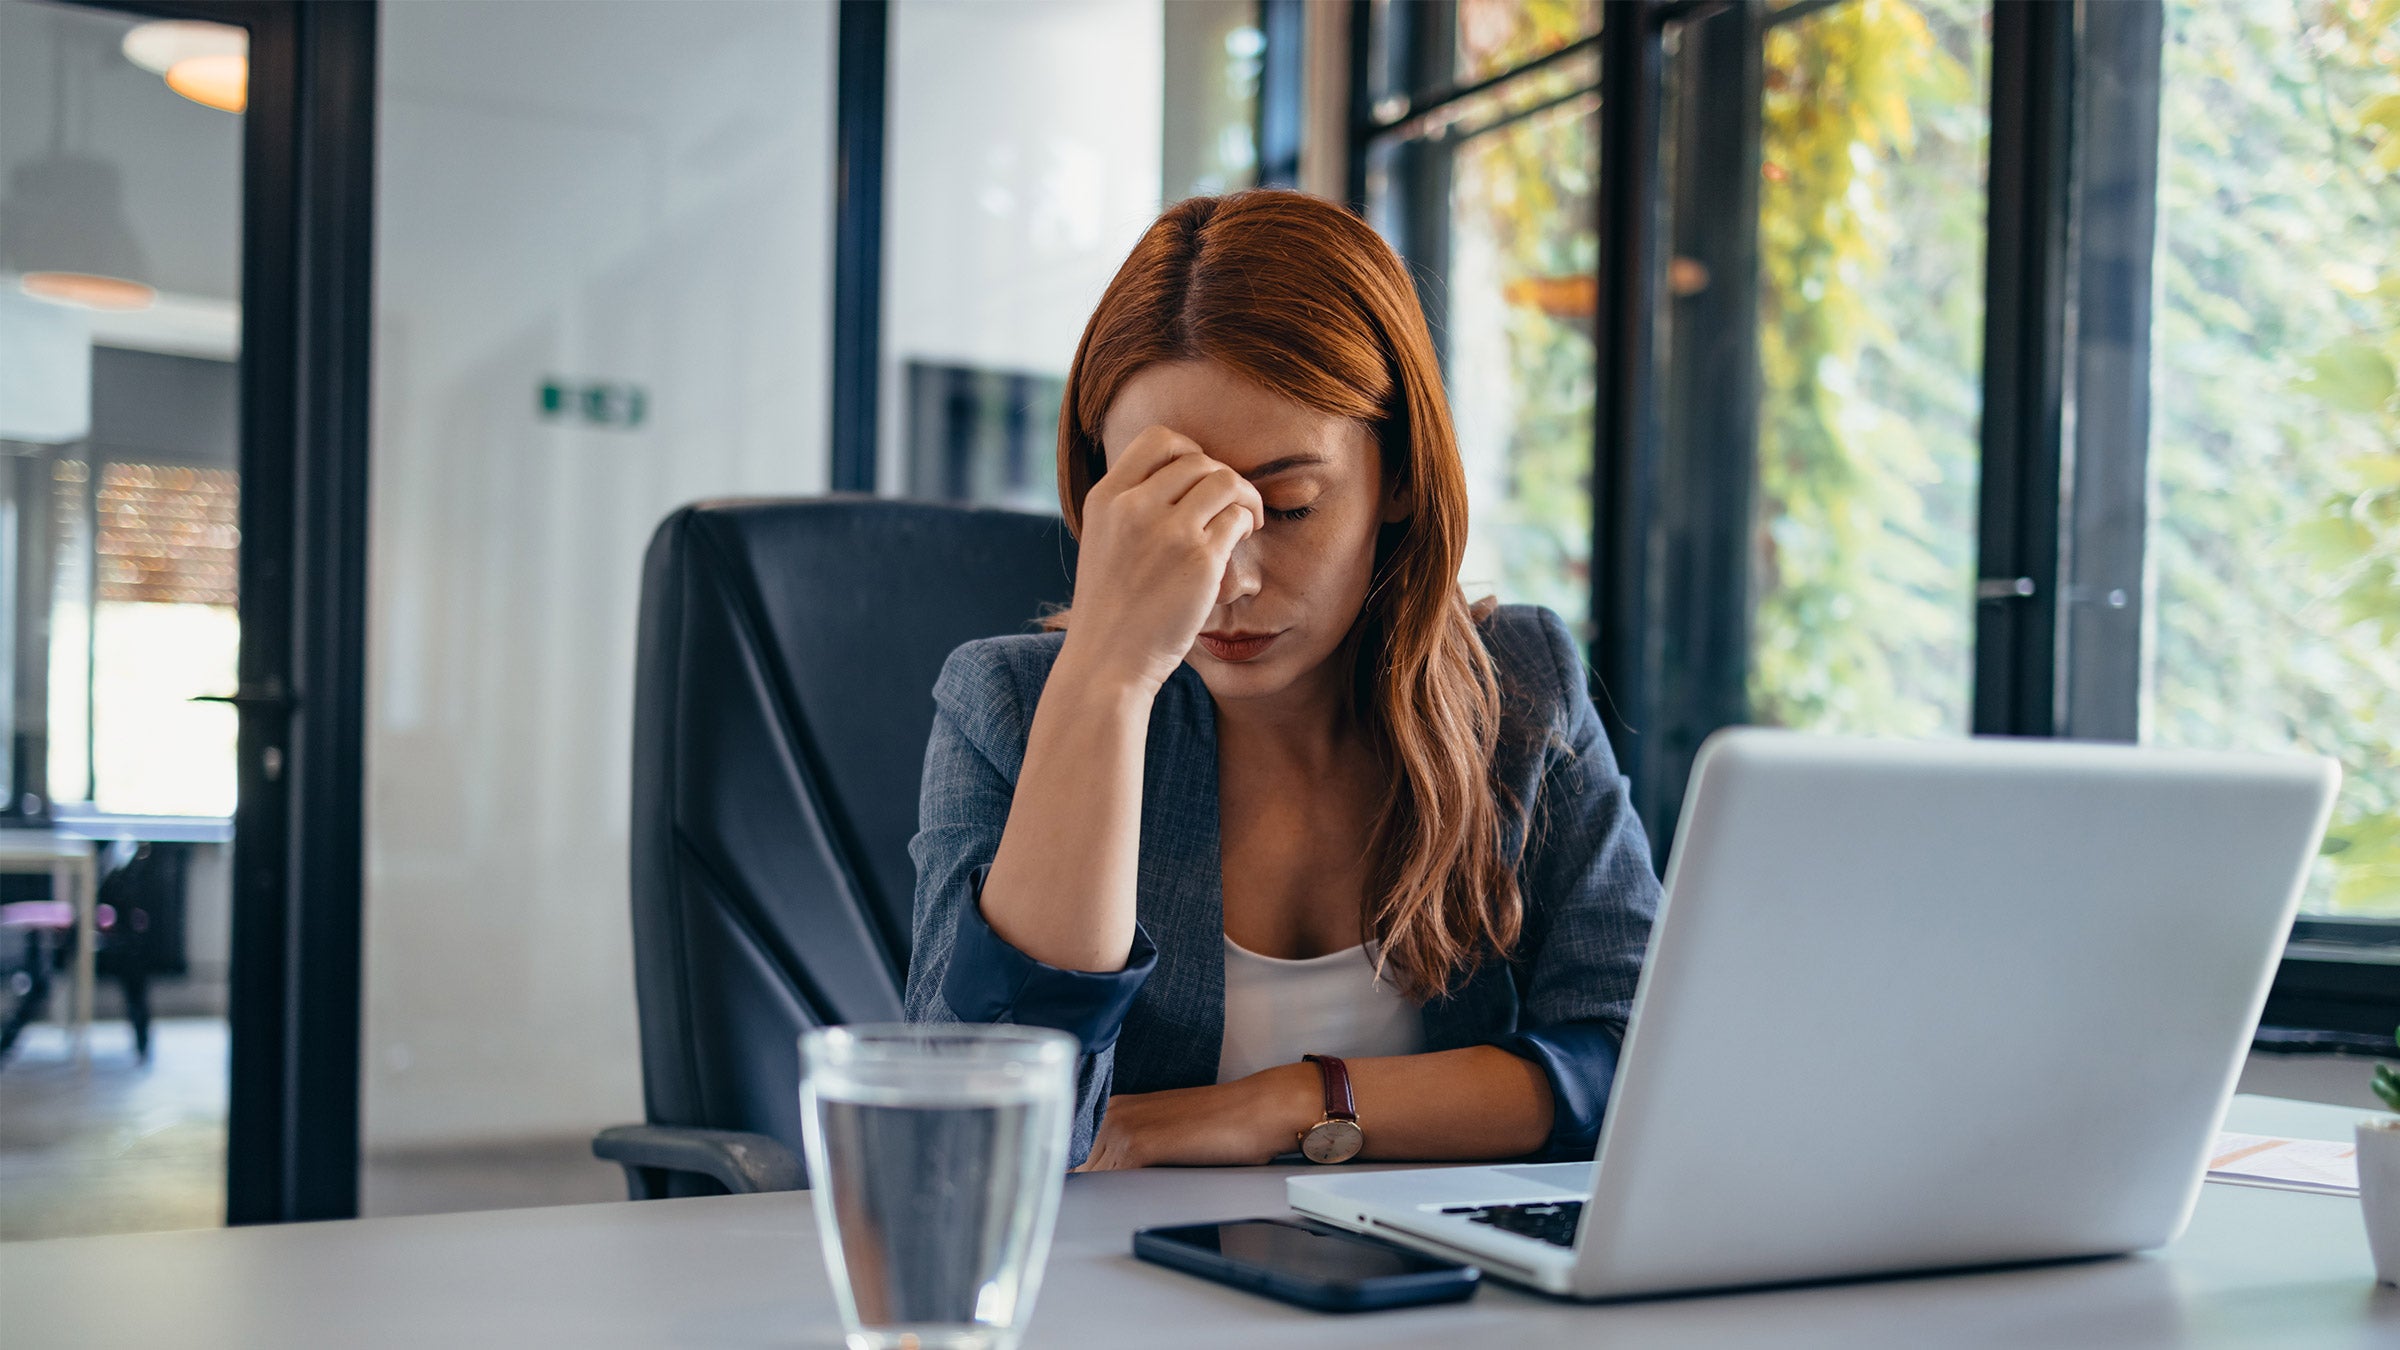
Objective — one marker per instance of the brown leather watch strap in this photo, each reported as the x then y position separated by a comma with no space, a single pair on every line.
1339,1105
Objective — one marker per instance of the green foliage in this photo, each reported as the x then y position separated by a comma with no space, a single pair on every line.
1524,244
2275,540
2275,536
1870,298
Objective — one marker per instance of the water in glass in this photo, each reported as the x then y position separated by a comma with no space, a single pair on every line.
936,1154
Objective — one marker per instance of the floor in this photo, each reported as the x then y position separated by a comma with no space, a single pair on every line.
124,1149
130,1148
517,1175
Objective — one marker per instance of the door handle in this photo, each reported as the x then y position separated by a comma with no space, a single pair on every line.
270,695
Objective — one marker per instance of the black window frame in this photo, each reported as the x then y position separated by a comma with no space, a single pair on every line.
2061,509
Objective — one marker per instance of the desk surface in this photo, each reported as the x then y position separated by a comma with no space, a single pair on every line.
2256,1268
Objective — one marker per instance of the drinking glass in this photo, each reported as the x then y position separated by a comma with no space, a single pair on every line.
936,1154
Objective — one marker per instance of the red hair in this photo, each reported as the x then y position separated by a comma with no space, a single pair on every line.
1305,299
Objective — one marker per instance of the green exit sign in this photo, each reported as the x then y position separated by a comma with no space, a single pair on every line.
598,403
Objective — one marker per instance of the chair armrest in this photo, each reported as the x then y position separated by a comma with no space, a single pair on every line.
742,1163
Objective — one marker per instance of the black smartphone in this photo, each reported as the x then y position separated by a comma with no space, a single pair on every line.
1308,1263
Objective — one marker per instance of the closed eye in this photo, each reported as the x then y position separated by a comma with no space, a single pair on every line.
1296,513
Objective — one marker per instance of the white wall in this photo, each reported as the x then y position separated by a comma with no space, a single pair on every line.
634,191
1023,162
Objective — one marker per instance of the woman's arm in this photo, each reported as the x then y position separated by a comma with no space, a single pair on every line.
1061,887
1157,530
1450,1105
958,970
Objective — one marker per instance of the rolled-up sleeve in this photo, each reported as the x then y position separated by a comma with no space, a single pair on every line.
959,970
991,981
1591,898
1580,1060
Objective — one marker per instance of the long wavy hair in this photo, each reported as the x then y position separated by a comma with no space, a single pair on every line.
1303,298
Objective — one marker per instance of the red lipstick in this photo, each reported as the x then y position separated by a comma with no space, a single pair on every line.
1233,646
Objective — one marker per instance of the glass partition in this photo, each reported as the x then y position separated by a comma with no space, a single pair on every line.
120,553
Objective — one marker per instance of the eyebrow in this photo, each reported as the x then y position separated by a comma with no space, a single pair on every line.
1289,462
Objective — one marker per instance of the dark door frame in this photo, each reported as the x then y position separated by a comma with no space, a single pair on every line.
862,30
308,155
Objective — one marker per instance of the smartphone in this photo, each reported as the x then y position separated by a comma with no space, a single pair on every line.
1307,1263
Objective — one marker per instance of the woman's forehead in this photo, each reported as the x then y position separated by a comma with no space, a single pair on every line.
1233,418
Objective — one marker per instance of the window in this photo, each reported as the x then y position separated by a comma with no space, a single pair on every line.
1055,179
1870,236
1483,168
167,551
2004,367
2274,558
1060,179
1807,551
1213,62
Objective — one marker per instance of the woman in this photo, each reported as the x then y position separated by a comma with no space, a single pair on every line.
1271,788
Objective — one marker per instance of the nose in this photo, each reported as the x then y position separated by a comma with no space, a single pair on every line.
1241,573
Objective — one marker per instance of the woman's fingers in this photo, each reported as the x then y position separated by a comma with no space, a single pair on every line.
1154,448
1172,479
1169,464
1213,489
1215,495
1228,527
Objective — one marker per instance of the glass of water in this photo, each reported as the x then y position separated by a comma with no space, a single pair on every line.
936,1154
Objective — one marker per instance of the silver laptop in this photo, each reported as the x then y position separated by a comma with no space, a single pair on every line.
1907,1006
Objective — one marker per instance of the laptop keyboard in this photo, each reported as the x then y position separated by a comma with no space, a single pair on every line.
1553,1222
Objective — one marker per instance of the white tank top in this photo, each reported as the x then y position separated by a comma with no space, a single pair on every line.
1278,1010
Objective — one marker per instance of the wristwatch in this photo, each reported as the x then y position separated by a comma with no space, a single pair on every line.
1336,1138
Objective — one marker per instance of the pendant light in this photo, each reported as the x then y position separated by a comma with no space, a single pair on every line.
208,63
63,228
62,224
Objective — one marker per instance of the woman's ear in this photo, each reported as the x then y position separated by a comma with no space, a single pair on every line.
1395,504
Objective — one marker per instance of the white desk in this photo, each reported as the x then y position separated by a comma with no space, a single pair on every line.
72,877
2257,1268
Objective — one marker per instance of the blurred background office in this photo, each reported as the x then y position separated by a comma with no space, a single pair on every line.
1901,367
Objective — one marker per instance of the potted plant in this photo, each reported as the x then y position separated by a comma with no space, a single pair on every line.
2379,1176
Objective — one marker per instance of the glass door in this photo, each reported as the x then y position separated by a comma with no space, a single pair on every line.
120,557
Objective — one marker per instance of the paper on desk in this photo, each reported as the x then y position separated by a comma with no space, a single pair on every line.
2323,1166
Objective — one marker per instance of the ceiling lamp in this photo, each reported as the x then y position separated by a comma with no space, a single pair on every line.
63,230
87,290
205,62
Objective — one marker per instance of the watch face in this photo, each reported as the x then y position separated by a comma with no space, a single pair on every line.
1332,1141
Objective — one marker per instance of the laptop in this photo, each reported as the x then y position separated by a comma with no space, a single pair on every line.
1907,1006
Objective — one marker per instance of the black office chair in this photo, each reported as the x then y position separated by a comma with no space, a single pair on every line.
782,700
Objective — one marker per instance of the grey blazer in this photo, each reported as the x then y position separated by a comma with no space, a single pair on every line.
1560,999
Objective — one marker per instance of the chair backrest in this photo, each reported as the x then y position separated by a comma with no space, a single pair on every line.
783,697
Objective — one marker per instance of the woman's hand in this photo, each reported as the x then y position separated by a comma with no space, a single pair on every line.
1241,1123
1157,531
